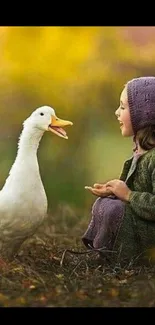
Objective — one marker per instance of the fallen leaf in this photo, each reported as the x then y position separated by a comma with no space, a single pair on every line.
60,276
124,281
114,292
99,291
81,294
3,297
32,287
43,299
20,301
129,273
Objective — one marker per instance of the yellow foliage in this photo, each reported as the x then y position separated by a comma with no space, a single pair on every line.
51,60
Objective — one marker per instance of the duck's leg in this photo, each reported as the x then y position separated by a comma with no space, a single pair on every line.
9,251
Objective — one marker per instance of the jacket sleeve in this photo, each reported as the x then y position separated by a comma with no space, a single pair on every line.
143,203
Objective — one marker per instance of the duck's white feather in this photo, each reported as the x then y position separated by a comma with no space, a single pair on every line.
23,201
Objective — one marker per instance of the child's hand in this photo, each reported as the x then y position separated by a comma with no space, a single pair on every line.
119,188
99,190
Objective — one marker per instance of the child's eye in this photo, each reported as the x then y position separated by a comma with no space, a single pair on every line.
121,107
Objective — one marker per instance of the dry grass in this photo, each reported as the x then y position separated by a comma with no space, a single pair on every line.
42,275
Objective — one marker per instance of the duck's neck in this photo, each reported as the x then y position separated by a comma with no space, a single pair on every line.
25,169
29,142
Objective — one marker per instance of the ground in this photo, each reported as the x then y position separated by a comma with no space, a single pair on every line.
44,274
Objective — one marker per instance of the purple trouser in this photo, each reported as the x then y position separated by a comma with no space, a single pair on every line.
107,214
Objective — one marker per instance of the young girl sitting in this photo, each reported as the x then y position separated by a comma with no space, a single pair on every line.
123,215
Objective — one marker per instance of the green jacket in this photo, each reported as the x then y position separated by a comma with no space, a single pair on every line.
137,230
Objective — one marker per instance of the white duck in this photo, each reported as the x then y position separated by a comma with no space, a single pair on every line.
23,201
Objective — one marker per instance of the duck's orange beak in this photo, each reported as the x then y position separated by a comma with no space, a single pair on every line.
56,126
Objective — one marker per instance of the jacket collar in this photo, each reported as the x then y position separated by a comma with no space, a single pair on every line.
129,167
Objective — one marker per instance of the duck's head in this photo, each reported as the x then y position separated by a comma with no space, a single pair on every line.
45,119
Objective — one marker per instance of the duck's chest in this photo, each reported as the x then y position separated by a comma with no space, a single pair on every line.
25,195
32,197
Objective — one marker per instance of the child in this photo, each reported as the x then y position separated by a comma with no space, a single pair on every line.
123,217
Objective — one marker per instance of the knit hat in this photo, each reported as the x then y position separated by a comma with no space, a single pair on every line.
141,99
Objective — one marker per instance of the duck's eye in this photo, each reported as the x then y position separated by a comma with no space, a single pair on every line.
41,114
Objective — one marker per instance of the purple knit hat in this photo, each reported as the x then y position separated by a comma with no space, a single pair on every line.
141,99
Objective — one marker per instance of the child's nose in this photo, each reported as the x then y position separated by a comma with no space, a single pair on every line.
117,112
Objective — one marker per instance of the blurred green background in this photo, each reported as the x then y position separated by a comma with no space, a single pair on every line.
80,72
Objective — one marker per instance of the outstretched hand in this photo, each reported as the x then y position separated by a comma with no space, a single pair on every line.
99,190
114,187
119,188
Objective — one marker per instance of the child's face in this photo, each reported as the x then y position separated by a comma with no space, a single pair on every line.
123,115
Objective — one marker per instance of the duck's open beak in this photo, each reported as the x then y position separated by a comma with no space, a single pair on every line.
56,126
